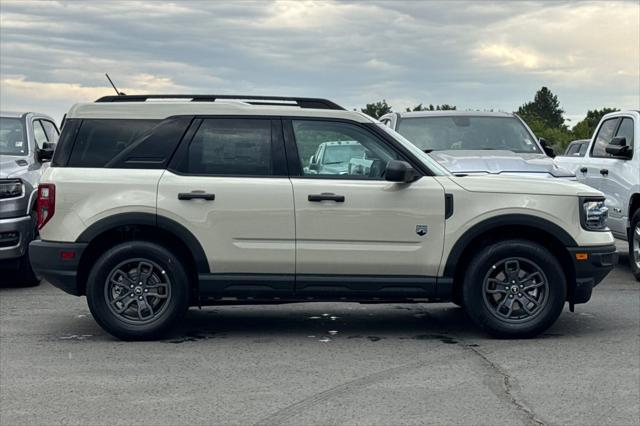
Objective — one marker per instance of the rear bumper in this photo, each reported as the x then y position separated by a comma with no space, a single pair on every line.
15,235
57,263
591,271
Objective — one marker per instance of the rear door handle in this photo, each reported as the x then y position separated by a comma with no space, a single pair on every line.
604,172
196,195
583,169
326,196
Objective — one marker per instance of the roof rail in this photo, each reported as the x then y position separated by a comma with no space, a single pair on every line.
315,103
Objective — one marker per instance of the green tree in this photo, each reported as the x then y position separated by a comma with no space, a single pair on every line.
585,128
377,109
443,107
545,108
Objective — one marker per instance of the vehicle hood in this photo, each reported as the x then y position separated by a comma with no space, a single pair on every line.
496,162
12,166
511,184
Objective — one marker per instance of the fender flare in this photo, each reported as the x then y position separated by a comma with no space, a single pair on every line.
150,219
476,230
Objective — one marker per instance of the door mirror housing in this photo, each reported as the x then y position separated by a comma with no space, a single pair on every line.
399,171
546,148
46,152
618,148
313,165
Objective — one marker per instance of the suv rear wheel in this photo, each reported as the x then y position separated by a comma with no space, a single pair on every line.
514,288
137,290
634,245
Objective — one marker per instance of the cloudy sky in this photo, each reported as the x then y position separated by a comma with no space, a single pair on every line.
476,55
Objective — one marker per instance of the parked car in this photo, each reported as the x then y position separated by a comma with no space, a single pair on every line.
150,207
27,141
577,148
612,165
470,142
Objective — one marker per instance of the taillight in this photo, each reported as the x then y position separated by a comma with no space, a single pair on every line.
46,206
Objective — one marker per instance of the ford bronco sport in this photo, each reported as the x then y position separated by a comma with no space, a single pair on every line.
27,141
152,206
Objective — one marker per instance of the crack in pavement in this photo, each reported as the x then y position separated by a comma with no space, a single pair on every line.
529,415
286,413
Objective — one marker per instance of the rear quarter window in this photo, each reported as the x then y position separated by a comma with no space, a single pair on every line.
99,141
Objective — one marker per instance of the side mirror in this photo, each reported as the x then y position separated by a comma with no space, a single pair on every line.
399,171
313,165
546,148
618,148
46,153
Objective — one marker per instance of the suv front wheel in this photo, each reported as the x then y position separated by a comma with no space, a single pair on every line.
137,290
514,289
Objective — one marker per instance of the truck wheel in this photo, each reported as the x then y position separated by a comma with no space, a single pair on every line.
514,289
634,245
137,290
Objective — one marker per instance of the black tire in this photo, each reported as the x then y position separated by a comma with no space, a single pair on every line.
161,272
634,234
485,300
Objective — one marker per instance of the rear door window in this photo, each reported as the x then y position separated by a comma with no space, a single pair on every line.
99,141
230,147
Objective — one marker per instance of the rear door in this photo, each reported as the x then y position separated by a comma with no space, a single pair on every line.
356,233
228,185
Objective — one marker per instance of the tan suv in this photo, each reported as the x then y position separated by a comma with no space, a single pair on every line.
153,205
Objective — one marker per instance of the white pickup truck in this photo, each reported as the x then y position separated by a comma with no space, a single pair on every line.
612,165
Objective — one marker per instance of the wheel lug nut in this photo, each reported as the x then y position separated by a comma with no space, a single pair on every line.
519,294
511,296
513,281
131,295
140,298
146,290
521,285
131,286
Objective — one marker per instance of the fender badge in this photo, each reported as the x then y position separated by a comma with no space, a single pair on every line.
421,230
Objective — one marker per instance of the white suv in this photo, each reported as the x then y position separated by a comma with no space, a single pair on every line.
152,206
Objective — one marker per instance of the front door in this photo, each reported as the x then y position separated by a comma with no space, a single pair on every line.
352,224
228,186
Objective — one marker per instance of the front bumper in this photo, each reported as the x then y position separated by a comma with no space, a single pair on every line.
57,263
15,235
591,265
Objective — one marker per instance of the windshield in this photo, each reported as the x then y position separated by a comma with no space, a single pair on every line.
12,138
468,133
335,154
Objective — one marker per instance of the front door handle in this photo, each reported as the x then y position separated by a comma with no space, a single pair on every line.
196,195
583,169
326,196
604,172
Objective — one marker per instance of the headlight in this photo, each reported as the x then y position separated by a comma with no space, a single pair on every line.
10,188
593,214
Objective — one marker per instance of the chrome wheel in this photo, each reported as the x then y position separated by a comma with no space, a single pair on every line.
137,291
635,240
515,290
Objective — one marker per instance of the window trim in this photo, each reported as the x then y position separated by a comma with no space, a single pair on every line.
295,165
278,150
595,136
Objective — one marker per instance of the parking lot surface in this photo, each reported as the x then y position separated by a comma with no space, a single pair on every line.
321,363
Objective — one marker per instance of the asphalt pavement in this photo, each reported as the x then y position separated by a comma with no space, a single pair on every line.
321,364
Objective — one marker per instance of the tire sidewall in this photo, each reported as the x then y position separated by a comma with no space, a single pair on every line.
473,298
177,304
